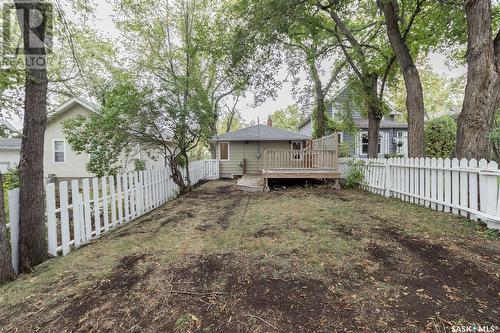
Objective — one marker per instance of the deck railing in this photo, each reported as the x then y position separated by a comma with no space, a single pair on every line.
303,159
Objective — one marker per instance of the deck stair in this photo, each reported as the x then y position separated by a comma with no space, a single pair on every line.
251,183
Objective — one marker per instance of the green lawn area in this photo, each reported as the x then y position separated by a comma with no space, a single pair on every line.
295,260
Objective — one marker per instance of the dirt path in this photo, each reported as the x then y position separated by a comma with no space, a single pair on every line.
296,260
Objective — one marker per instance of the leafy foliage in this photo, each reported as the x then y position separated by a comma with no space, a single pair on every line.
355,176
440,137
100,136
288,118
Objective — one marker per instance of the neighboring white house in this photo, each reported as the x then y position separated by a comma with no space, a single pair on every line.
59,159
10,149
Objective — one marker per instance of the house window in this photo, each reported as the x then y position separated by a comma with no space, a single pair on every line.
297,145
224,151
364,143
59,147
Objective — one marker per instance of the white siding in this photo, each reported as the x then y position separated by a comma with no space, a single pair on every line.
75,164
306,129
9,158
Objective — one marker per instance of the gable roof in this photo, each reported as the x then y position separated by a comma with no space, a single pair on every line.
261,133
11,143
70,103
9,124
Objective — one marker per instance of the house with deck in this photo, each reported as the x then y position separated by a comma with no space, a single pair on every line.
266,152
393,137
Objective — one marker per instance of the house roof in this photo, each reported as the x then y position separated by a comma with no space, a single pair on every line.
261,133
9,123
12,143
70,103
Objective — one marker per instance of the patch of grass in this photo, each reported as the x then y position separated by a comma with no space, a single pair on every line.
302,259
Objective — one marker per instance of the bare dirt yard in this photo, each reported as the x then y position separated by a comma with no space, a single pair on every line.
296,260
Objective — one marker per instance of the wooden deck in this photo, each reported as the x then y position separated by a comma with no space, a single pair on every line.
300,173
300,163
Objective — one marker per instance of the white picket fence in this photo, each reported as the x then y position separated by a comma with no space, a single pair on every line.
83,209
464,187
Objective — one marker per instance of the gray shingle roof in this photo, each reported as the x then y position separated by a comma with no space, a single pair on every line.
10,143
261,133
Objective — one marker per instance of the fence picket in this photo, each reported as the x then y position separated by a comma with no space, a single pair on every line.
433,183
63,204
447,184
113,201
87,209
105,210
51,220
13,197
412,179
126,198
428,181
119,196
440,183
77,221
473,183
455,181
97,209
489,200
132,195
421,179
464,186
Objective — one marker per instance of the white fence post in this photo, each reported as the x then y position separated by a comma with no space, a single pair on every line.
388,178
75,203
97,209
63,199
105,211
51,220
13,197
87,210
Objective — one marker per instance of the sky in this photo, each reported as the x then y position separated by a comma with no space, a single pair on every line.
246,107
103,22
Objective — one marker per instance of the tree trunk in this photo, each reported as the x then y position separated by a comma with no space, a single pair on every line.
188,176
375,114
482,92
32,242
176,173
7,272
319,116
414,94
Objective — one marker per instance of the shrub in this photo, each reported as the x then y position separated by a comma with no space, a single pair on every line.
344,150
440,136
139,165
355,176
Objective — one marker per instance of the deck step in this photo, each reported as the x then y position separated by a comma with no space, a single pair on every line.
250,183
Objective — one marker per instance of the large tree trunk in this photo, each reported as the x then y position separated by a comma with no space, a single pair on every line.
375,113
7,272
319,116
414,94
32,242
482,92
